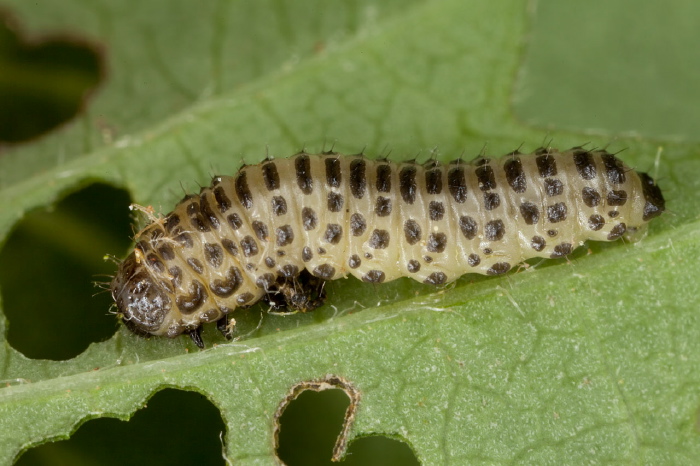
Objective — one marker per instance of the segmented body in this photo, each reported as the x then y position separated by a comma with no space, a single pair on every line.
256,234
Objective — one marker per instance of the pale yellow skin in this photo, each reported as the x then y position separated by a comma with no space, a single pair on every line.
447,248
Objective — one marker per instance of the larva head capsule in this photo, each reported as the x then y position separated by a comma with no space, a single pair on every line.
143,305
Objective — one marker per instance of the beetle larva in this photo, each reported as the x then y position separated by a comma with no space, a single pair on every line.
278,230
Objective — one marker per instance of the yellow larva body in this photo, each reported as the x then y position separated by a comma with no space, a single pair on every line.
251,235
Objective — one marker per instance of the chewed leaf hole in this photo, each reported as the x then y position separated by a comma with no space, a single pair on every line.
48,267
44,81
176,428
314,422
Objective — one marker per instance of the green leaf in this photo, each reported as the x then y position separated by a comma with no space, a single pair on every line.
592,359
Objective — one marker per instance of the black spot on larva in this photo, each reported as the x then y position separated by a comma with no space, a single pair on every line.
234,220
270,176
473,260
230,246
617,231
166,252
208,213
468,226
184,239
557,212
596,222
306,254
383,206
289,271
321,251
498,268
491,201
309,218
383,178
617,197
214,254
613,213
486,178
281,253
285,235
412,231
437,242
190,303
530,213
244,298
552,233
354,261
324,271
436,210
427,259
196,219
270,262
279,205
176,274
546,165
457,184
538,243
358,181
196,265
433,181
561,250
225,288
407,184
368,256
333,175
413,266
155,263
334,233
302,166
655,203
584,164
379,239
614,169
261,230
591,197
335,202
358,225
436,278
249,246
494,230
374,276
222,200
171,221
515,175
265,281
553,187
243,191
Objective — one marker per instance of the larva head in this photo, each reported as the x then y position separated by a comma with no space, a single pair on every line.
142,303
654,201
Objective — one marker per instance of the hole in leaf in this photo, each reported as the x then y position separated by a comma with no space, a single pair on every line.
176,428
48,266
44,81
315,413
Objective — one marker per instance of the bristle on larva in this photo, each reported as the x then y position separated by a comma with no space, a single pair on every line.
278,230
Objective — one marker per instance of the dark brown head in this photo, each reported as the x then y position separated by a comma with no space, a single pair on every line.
142,303
654,200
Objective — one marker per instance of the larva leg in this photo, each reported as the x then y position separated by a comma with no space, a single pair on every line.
301,293
196,335
223,326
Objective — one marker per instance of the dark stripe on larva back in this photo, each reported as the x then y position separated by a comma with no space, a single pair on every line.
242,190
584,164
358,182
407,184
433,181
384,178
457,184
486,177
613,169
270,176
333,174
515,175
546,165
302,165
